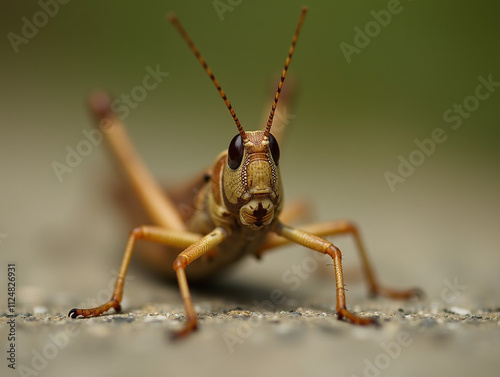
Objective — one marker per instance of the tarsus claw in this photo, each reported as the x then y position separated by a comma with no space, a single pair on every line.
73,313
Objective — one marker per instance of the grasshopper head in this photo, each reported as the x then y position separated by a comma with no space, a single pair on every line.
251,180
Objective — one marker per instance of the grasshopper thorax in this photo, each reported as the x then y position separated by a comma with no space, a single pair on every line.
251,186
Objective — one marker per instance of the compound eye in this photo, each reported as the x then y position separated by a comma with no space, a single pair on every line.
275,149
235,152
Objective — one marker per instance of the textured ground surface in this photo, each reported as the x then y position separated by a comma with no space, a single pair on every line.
411,341
247,325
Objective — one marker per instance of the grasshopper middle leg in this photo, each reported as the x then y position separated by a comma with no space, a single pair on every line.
195,246
311,237
323,246
342,227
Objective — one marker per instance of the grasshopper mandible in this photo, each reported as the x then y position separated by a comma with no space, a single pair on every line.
240,209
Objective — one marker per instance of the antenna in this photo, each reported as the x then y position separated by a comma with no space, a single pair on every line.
172,17
285,69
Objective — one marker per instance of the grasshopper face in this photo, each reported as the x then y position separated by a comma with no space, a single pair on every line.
251,180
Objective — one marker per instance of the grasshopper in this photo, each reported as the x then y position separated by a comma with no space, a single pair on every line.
239,202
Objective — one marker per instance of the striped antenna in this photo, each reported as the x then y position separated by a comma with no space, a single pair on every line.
285,69
172,17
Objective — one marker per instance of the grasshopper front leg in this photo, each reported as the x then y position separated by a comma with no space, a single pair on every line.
321,245
189,255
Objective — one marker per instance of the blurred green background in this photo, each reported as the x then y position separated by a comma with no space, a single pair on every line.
350,123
